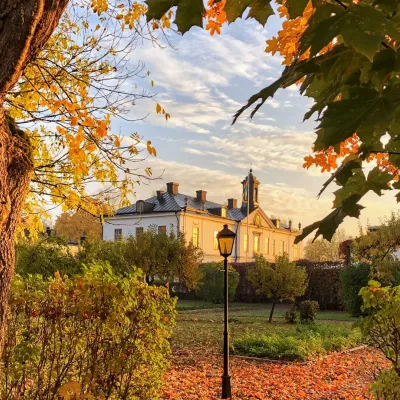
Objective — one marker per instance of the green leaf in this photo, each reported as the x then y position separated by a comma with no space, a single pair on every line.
364,110
361,26
355,186
235,8
306,231
189,12
261,10
296,7
378,180
343,173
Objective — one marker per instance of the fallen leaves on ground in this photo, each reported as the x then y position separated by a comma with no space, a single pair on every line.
195,374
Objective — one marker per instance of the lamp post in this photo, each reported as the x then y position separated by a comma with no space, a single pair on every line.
226,239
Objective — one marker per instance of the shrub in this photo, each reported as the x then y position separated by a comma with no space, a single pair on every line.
211,287
308,311
381,326
301,344
292,316
353,278
45,258
97,334
281,281
387,385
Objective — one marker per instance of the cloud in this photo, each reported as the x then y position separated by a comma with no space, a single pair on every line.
283,150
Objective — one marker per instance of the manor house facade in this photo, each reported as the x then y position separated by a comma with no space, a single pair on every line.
200,220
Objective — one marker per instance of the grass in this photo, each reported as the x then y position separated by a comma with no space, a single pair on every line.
200,324
300,344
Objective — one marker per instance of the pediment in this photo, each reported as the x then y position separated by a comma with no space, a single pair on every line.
260,219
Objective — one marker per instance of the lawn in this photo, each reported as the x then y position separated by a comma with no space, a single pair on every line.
195,373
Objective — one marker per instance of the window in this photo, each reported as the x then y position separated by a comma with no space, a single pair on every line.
195,236
281,247
223,212
139,231
266,249
256,243
140,206
162,229
273,247
246,244
117,234
215,240
295,252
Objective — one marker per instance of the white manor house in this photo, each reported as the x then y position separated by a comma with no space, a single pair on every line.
200,220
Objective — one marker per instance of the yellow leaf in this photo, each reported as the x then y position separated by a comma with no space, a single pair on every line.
158,108
74,121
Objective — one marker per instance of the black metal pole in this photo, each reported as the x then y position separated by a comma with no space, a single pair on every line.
226,379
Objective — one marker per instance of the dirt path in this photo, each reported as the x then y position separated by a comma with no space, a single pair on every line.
196,375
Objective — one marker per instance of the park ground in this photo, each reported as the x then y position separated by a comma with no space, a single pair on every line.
196,368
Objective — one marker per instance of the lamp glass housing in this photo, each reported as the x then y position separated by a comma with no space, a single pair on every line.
226,238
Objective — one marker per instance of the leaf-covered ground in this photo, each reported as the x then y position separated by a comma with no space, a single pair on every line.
195,374
196,368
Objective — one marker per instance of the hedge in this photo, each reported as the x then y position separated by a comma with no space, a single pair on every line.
323,287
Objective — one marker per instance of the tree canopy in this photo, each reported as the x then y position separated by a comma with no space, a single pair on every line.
74,226
283,280
344,55
323,250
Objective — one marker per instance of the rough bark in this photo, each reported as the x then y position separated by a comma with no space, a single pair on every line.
25,26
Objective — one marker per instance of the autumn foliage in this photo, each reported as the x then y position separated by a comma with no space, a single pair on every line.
96,335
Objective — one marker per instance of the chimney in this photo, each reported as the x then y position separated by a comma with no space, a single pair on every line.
232,203
201,195
160,194
299,226
290,224
278,223
172,187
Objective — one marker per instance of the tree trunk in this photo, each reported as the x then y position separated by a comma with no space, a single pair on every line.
272,310
25,26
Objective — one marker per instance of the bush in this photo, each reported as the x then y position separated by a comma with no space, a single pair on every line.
353,278
381,326
387,385
281,281
45,258
301,344
292,316
98,335
211,286
308,311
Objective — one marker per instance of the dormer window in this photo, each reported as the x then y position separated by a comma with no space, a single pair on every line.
223,212
140,206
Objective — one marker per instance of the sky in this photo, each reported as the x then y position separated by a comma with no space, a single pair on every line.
202,80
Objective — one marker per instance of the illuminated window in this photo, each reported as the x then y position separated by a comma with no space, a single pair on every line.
195,236
246,244
266,250
117,234
281,247
215,240
256,243
295,252
139,231
162,229
223,212
273,247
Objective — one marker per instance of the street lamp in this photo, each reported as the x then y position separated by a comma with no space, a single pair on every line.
226,239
